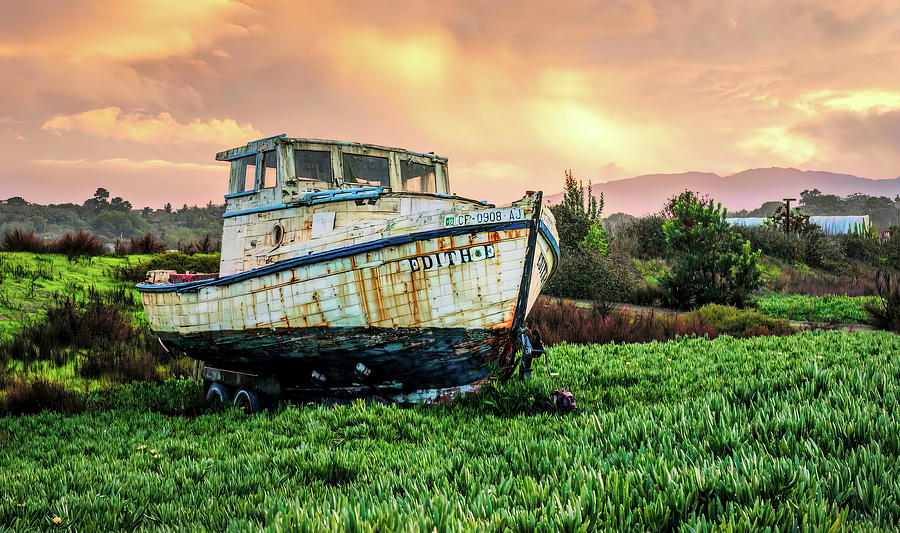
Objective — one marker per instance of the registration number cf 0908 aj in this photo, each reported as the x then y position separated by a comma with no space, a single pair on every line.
482,217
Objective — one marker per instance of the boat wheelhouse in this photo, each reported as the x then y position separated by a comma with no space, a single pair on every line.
349,269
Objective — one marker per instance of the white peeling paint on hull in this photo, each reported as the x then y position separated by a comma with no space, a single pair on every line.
469,281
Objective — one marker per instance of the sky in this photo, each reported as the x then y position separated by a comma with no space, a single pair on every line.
138,96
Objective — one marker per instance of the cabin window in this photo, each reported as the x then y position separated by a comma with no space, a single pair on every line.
417,177
245,173
313,165
270,169
366,170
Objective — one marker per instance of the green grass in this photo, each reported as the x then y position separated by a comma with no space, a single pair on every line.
29,282
830,309
696,435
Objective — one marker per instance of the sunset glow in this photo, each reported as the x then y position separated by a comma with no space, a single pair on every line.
137,97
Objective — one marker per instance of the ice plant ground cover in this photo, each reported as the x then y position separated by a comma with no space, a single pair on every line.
838,309
694,434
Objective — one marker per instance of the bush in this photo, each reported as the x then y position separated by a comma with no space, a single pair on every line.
811,246
773,242
564,322
642,238
793,280
710,263
742,322
585,273
78,244
891,248
19,240
33,397
66,327
885,313
121,363
203,245
821,251
860,247
146,244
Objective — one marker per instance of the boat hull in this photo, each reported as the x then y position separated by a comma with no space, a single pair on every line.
396,359
427,308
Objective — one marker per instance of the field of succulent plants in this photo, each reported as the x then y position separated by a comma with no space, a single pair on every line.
798,432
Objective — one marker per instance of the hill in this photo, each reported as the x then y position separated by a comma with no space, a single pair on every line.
744,190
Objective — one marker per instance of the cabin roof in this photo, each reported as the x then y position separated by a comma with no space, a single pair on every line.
254,146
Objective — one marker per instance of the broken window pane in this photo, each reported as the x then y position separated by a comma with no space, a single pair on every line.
313,165
270,169
245,169
417,177
366,170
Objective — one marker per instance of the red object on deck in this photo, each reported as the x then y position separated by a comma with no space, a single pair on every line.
187,278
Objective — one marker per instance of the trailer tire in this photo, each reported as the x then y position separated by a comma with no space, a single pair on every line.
218,393
247,401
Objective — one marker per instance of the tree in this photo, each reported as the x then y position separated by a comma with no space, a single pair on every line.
710,262
16,200
98,201
574,216
586,270
118,204
168,207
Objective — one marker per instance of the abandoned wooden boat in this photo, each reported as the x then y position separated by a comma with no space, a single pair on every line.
350,269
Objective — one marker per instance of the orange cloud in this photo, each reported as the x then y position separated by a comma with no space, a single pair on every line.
134,30
130,164
160,129
789,147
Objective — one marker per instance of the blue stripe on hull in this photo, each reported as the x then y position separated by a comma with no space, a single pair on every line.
400,359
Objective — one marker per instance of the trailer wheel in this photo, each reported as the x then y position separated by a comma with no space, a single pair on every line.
247,401
218,393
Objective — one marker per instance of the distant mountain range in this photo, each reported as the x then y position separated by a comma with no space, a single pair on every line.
745,190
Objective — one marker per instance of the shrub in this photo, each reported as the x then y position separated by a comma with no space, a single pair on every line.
68,326
204,245
146,244
78,244
710,263
794,280
891,248
585,273
121,363
861,247
885,313
643,238
120,247
742,322
36,396
565,322
19,240
773,242
820,251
